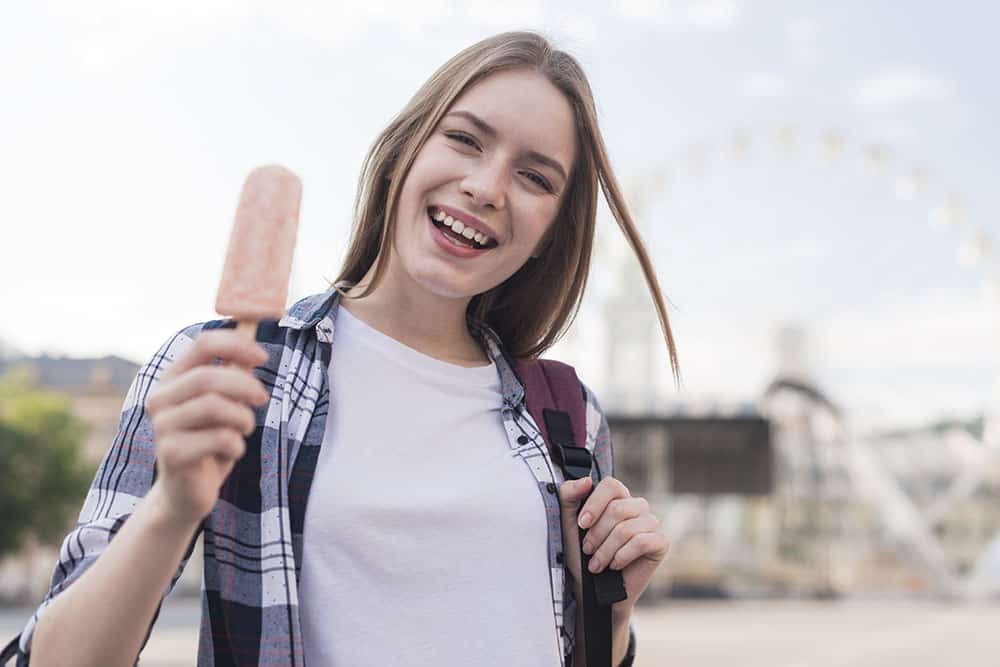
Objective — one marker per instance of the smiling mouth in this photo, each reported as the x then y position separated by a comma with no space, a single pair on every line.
448,226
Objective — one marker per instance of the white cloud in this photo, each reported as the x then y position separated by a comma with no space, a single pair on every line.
514,13
699,14
765,84
803,40
714,14
655,11
908,364
892,86
109,36
575,29
105,36
930,334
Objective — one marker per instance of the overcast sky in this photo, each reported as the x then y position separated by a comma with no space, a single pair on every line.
826,164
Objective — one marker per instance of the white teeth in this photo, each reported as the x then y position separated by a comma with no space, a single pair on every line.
460,227
459,243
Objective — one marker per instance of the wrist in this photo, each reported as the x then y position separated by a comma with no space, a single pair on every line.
621,615
164,516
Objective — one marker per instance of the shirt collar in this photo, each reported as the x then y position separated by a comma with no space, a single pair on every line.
318,312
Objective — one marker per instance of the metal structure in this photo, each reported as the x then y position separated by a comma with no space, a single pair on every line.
844,512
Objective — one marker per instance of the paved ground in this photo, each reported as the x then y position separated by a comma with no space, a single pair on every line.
736,634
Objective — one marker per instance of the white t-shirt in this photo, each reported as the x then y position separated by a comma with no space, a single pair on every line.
425,538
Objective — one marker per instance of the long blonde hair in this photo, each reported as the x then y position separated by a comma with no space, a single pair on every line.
533,308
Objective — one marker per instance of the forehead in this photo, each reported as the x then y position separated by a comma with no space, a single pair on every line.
526,109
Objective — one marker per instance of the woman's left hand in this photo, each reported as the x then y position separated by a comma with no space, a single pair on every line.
622,534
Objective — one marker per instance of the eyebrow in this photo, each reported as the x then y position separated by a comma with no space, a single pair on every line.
488,129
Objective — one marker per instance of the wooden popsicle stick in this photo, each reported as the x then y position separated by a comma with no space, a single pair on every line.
247,329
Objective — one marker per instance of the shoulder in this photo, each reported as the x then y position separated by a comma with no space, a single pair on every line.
598,433
269,334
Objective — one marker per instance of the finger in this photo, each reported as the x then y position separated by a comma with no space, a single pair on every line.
229,381
206,411
652,545
572,493
609,489
620,536
223,344
617,511
187,448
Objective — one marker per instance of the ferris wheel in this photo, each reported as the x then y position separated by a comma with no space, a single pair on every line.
941,206
939,203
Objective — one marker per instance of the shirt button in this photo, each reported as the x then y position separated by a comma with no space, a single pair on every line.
522,440
559,557
550,487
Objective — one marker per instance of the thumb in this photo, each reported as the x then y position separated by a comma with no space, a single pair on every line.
573,492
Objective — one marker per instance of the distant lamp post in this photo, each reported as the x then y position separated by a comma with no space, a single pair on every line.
950,214
910,185
876,158
833,144
787,137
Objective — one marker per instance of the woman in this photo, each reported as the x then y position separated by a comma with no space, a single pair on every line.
389,403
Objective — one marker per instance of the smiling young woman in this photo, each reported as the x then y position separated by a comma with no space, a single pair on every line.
393,500
531,308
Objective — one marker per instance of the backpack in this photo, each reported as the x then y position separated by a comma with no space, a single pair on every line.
556,401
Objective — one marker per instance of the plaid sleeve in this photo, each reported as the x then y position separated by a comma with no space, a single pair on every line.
123,478
599,434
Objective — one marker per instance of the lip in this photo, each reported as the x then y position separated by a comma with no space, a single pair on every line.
469,220
451,248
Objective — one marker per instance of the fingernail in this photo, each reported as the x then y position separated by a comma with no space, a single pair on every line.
595,565
588,548
585,519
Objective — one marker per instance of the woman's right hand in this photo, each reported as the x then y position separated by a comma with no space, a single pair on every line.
200,415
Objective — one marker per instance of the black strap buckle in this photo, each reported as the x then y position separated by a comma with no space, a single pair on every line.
575,461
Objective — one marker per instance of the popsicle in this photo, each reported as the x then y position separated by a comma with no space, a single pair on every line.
254,283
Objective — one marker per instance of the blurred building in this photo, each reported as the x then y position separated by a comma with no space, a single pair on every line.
95,389
773,495
778,497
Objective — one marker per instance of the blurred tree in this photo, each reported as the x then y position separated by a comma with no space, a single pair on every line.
44,474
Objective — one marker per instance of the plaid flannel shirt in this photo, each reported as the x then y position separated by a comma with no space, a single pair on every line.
253,536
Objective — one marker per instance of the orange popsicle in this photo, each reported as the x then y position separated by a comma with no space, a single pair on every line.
254,283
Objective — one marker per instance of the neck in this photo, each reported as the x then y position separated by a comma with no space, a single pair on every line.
426,322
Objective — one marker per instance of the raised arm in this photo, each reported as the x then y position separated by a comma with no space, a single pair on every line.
135,534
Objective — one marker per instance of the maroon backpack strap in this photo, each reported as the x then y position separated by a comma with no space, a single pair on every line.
554,385
555,400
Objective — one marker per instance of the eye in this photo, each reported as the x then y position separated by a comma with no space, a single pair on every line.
539,180
462,138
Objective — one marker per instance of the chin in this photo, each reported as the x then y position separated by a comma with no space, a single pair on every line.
444,287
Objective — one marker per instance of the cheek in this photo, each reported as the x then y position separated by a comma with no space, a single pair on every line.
538,223
423,174
432,165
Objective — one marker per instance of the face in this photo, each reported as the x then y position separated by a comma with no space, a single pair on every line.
497,164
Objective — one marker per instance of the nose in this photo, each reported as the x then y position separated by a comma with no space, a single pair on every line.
487,184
